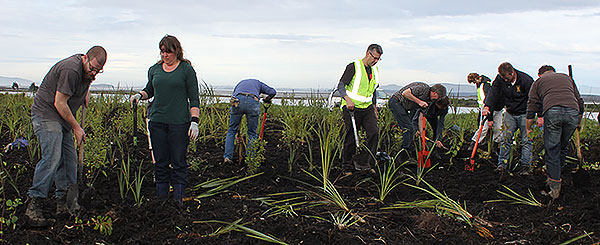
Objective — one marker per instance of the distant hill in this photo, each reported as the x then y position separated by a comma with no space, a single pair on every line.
8,81
461,90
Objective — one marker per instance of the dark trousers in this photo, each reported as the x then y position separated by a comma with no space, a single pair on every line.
170,142
366,119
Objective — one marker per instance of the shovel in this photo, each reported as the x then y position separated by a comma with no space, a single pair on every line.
262,128
424,161
134,124
470,165
73,190
354,127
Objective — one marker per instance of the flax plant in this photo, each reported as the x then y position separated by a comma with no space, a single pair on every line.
328,133
136,187
236,226
441,203
289,204
218,186
389,178
344,219
123,178
516,198
330,193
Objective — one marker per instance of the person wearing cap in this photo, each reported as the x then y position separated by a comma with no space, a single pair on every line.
555,97
245,101
484,86
404,104
510,89
357,87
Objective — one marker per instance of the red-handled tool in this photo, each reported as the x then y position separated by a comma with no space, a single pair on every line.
262,127
470,165
423,154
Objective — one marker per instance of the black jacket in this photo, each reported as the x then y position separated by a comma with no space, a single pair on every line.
513,96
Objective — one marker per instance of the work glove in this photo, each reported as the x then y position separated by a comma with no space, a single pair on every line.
193,131
135,98
267,100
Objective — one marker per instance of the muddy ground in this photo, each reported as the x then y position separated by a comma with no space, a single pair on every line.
575,213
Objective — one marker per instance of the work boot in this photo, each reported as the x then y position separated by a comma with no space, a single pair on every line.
61,206
35,215
162,191
178,193
524,171
554,187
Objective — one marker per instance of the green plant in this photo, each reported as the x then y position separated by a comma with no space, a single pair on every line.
255,155
136,187
389,178
10,206
328,133
123,178
100,223
329,193
236,226
443,204
516,198
218,186
586,234
344,219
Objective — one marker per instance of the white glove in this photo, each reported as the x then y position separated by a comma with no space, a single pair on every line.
193,132
135,98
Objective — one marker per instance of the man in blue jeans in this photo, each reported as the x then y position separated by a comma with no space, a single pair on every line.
556,97
510,88
63,90
245,100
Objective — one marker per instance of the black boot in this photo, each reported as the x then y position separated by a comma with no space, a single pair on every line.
178,193
35,215
162,191
61,206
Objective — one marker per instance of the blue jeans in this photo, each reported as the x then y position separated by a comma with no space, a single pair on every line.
250,107
170,142
559,125
404,118
510,124
59,158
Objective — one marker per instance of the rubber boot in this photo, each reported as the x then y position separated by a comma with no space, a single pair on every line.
178,193
554,187
35,215
162,191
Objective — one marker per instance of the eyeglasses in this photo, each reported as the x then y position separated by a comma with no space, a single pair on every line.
376,58
94,69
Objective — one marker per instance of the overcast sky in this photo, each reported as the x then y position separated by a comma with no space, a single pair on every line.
305,44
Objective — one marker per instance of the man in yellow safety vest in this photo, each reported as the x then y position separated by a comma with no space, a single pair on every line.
357,88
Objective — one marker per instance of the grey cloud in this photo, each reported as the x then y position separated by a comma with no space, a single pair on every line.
280,37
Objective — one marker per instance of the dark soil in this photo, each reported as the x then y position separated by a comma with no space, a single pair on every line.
576,212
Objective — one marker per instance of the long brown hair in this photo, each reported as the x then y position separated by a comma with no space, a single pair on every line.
171,44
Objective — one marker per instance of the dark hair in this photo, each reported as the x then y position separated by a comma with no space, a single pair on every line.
443,103
472,77
172,45
439,89
505,68
376,48
98,53
545,68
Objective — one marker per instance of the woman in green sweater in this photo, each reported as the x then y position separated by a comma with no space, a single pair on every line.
173,116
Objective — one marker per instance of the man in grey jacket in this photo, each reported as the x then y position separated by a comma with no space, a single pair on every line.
555,97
